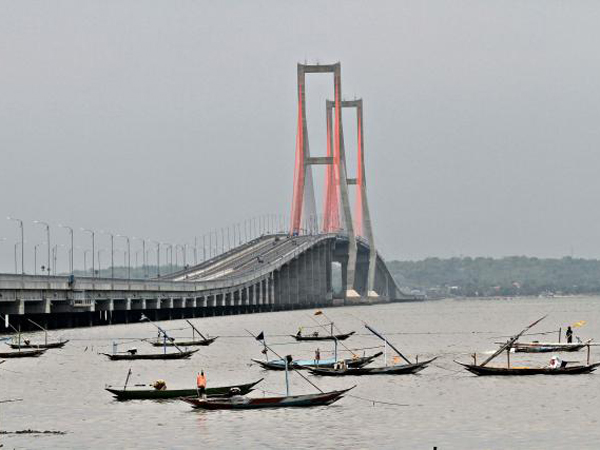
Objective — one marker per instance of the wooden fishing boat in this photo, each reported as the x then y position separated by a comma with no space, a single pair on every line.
563,369
291,401
46,345
184,354
400,369
297,364
23,353
547,347
513,370
325,337
2,362
190,343
154,394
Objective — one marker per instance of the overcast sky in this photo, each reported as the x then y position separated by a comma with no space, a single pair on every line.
168,119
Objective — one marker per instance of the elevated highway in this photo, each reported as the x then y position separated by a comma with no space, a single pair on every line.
273,272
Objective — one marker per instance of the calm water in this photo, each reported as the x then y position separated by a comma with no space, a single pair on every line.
445,406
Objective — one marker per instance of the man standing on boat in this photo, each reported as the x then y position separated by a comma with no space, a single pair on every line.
317,356
201,384
569,334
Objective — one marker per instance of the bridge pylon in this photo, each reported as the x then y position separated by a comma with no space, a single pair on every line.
362,217
337,215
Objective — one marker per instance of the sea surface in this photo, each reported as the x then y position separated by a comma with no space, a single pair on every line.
443,406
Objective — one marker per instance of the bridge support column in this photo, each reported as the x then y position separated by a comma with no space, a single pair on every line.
260,292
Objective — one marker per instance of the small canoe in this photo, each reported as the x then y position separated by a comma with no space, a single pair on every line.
241,402
59,344
191,343
130,357
491,370
154,394
279,364
23,353
325,337
547,347
401,369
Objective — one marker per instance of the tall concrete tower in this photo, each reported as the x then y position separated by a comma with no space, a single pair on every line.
337,215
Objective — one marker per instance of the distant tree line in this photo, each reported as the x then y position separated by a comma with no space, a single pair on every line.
515,275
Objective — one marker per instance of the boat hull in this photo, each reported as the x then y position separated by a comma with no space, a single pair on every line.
23,354
278,364
339,337
405,369
129,357
521,371
154,394
193,343
60,344
295,401
546,347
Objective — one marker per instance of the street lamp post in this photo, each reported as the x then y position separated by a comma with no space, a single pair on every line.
93,235
143,254
195,251
128,255
22,245
35,247
71,251
157,258
112,253
39,222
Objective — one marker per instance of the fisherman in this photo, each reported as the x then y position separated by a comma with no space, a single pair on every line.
555,362
201,384
569,334
235,396
299,333
317,356
160,385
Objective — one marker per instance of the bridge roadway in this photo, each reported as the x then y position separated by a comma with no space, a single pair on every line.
246,259
271,272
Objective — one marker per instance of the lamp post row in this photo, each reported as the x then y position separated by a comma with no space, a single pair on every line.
230,237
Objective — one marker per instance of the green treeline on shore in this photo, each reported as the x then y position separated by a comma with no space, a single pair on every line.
515,275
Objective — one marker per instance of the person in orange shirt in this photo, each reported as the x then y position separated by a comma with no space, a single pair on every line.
201,384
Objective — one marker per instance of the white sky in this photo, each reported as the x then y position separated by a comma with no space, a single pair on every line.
169,119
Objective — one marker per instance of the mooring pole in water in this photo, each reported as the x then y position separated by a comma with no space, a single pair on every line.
335,350
559,334
588,354
127,379
165,344
508,356
385,352
287,378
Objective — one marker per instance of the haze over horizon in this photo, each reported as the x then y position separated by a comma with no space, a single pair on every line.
169,120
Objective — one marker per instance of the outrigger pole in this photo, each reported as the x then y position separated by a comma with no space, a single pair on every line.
41,328
165,335
196,330
387,343
511,341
